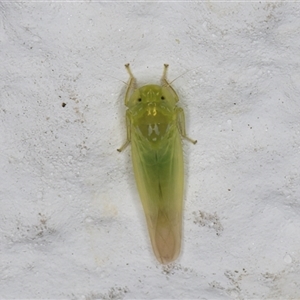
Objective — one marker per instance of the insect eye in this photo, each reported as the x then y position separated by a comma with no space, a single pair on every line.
140,99
162,98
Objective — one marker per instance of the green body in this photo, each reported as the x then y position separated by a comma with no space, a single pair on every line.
154,127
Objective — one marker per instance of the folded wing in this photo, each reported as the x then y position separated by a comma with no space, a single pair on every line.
159,176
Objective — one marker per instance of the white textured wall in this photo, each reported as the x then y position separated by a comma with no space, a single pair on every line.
71,224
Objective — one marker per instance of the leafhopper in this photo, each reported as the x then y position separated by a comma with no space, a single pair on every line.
155,125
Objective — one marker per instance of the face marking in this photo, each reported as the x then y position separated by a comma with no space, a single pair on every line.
156,129
153,128
151,109
149,130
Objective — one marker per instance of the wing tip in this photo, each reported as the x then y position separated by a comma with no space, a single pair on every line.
167,250
167,258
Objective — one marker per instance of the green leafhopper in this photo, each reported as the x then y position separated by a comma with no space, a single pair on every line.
155,125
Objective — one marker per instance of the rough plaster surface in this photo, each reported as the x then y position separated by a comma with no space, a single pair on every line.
71,224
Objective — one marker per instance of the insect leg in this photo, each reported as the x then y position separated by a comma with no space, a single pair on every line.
164,82
128,127
181,125
131,84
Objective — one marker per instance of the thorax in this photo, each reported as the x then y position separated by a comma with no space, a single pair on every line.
154,122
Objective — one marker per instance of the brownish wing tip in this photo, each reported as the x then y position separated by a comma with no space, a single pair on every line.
167,260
